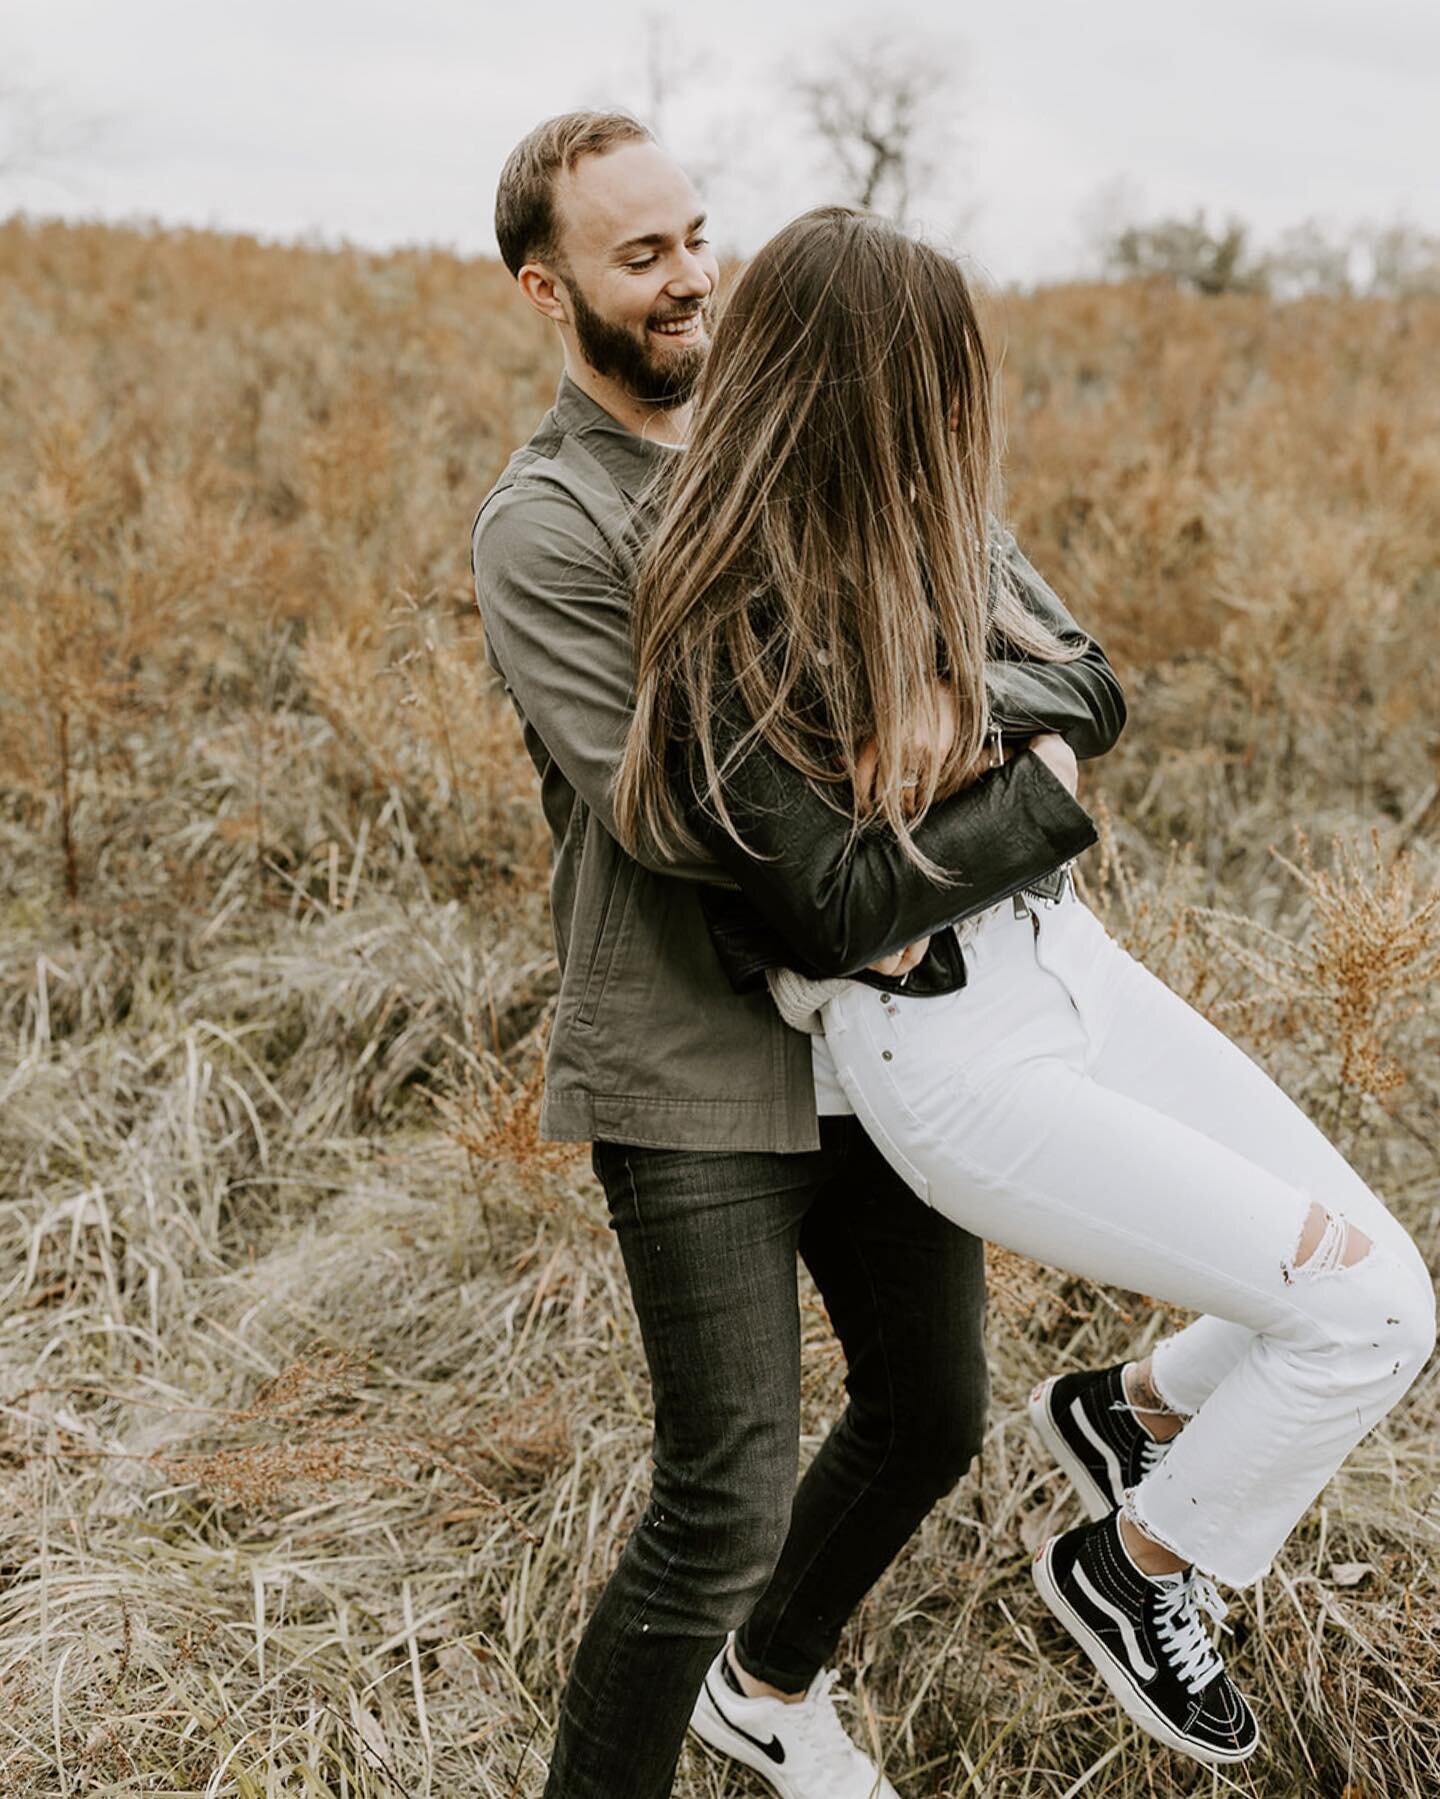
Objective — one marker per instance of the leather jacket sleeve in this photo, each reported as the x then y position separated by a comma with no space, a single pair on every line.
838,908
812,901
1082,701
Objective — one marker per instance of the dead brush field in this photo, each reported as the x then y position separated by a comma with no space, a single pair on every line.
324,1413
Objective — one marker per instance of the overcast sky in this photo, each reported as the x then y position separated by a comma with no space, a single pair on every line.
386,122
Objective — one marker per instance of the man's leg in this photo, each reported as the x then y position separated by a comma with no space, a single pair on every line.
710,1243
905,1290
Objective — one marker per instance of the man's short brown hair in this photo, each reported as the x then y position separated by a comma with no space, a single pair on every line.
525,198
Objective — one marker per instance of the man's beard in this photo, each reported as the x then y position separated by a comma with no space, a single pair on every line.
621,357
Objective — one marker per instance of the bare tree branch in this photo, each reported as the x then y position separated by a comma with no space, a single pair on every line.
886,114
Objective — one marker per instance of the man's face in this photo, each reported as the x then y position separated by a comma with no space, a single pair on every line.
638,271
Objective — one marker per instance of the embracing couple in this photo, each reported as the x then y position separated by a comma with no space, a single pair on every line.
807,723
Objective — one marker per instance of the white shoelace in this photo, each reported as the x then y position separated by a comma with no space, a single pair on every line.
1152,1451
818,1723
1193,1656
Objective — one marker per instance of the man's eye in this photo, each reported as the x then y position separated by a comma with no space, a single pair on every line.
698,243
644,262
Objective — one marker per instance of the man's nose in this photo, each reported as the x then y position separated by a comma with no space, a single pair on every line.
691,279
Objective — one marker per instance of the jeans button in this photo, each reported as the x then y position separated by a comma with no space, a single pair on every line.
887,1055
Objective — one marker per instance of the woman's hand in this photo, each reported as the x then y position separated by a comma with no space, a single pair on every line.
1058,757
903,960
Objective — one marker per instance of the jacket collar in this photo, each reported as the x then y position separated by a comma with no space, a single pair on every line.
630,461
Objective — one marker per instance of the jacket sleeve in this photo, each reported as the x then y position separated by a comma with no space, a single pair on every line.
555,610
838,912
1082,701
840,907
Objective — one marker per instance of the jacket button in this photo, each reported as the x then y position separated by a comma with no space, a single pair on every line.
887,1055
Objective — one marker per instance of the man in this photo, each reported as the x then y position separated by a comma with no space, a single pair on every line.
719,1161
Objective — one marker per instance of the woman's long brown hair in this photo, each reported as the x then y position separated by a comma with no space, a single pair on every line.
825,539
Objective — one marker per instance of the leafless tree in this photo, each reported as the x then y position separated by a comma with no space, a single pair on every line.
677,85
670,68
885,111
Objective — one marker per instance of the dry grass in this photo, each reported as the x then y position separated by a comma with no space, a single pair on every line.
324,1413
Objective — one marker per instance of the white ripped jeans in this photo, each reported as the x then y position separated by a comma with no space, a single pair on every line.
1066,1104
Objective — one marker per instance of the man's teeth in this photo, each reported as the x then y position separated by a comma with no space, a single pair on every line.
679,327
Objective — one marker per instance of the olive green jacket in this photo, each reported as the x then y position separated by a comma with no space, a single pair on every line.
650,1042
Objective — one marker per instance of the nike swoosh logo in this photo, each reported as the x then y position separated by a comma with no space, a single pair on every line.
775,1749
1142,1668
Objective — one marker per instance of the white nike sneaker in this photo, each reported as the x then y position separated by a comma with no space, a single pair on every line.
800,1750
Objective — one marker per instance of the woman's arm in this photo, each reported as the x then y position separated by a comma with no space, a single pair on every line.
838,907
1081,701
837,913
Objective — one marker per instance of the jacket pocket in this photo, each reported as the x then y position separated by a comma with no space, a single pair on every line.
607,935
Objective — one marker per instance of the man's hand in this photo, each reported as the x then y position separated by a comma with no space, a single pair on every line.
903,960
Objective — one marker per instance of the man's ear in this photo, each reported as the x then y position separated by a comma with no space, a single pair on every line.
545,291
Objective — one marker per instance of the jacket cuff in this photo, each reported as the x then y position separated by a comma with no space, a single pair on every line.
1065,821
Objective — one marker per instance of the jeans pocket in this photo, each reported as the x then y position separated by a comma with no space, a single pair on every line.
952,1043
859,1091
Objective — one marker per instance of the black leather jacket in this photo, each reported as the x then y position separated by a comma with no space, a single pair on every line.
803,901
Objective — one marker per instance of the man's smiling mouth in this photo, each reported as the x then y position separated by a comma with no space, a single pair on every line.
689,326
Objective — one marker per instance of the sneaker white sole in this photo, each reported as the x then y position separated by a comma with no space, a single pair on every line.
711,1728
1093,1497
1131,1701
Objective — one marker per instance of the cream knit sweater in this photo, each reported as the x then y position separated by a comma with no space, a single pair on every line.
801,1002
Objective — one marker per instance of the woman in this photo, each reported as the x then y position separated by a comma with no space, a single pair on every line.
827,618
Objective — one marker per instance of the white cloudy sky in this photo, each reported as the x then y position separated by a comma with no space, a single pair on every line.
386,121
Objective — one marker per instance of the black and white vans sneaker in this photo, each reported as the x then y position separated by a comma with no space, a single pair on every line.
1144,1635
1086,1423
800,1750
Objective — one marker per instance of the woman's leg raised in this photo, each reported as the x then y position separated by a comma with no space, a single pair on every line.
1144,1040
989,1100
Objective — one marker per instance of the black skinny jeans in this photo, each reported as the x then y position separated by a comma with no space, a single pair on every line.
709,1241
